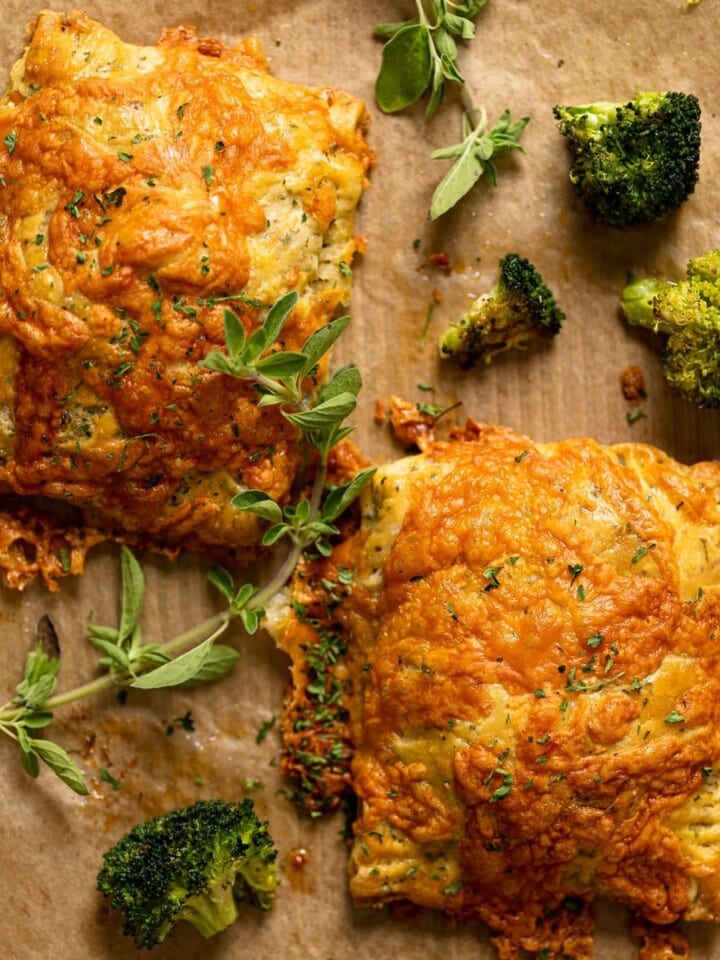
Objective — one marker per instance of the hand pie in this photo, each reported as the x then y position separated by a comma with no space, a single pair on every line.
144,191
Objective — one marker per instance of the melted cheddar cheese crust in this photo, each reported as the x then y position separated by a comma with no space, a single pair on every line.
143,191
536,707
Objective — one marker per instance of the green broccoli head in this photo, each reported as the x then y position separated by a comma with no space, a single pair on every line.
191,864
518,311
633,162
689,313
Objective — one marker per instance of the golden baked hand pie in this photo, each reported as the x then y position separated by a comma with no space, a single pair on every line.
144,190
534,702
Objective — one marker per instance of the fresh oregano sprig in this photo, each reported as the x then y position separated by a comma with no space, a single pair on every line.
420,57
473,157
286,378
125,662
279,375
303,523
420,54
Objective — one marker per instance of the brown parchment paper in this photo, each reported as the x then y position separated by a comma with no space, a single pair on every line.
528,56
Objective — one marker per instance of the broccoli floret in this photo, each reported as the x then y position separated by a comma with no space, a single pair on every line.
689,313
633,162
518,311
190,864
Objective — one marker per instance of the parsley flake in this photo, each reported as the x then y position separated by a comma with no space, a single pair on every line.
674,717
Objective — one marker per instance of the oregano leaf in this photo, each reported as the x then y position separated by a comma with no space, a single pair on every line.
323,547
258,503
387,30
146,657
268,332
282,364
222,580
270,400
250,620
39,664
458,181
460,26
275,533
177,671
437,88
345,380
246,592
30,763
218,362
444,43
132,592
298,513
218,663
112,651
405,68
469,8
340,497
234,333
340,434
319,342
325,414
23,739
37,720
35,694
61,764
110,634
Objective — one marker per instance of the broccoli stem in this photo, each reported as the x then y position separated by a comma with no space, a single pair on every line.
598,114
453,339
213,911
637,303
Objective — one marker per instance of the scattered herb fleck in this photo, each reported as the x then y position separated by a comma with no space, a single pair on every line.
265,728
107,777
642,552
632,416
674,717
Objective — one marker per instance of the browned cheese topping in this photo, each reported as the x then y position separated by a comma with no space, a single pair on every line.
144,191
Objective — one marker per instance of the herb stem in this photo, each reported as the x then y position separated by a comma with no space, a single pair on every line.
278,581
424,7
477,116
318,487
288,565
280,390
211,628
79,693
